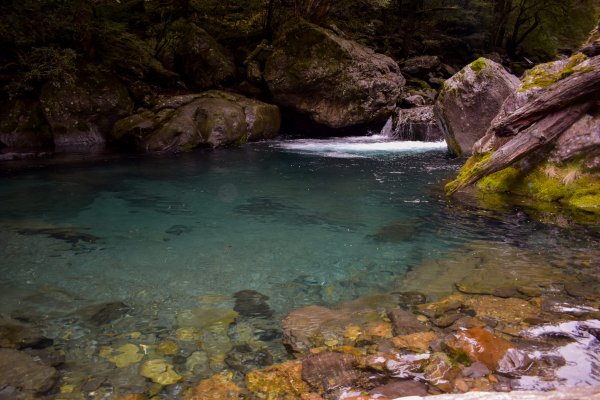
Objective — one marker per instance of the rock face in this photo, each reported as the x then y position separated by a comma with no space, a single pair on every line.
202,61
23,126
336,82
81,115
470,100
213,118
417,123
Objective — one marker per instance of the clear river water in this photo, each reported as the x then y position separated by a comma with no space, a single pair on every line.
303,222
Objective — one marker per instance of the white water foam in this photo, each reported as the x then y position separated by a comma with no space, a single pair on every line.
357,146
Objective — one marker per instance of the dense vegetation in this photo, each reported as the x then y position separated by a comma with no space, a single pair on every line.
49,40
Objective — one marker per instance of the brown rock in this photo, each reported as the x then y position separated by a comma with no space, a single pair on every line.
329,371
217,387
19,370
16,335
405,322
346,324
440,372
439,308
400,388
417,342
281,381
480,345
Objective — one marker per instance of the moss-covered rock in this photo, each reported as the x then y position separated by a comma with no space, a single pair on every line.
213,118
336,82
470,100
82,114
23,126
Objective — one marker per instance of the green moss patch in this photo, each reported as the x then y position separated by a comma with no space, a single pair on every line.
478,65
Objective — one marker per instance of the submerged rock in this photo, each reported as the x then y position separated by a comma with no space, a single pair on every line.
280,381
17,335
250,303
335,81
346,324
329,371
217,387
469,101
212,118
21,371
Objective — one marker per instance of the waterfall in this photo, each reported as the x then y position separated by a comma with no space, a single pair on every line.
388,128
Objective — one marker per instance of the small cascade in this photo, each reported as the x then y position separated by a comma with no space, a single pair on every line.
388,129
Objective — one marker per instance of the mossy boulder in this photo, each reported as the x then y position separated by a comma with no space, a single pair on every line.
82,114
335,81
469,101
212,118
23,126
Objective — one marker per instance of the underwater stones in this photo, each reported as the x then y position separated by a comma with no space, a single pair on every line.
17,335
82,114
335,81
469,101
400,388
328,371
418,342
244,357
281,381
509,311
207,317
479,345
167,348
217,387
213,118
21,371
178,230
102,314
122,356
250,303
405,322
160,371
347,323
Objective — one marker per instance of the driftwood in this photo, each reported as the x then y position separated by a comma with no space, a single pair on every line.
582,85
527,141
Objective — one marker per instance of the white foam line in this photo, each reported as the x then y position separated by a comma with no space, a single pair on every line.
357,146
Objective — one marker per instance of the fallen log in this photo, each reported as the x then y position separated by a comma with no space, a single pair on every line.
583,84
534,137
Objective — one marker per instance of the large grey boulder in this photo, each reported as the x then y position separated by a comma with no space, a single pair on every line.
469,101
82,114
213,118
336,82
